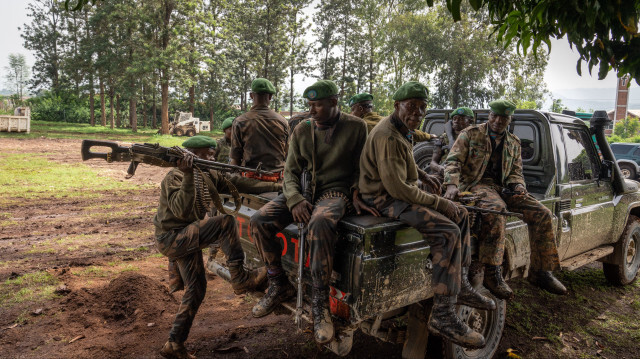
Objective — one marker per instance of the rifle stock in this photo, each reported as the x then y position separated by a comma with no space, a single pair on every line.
305,189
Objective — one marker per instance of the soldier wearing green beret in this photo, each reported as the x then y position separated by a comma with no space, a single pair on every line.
329,145
487,158
183,230
224,143
390,181
461,118
260,136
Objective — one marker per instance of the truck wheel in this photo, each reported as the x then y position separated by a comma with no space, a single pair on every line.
627,171
178,132
422,153
191,132
626,250
489,323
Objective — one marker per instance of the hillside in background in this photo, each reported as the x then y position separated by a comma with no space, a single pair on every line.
594,98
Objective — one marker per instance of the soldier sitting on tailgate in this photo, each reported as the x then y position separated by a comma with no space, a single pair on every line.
185,225
487,158
389,181
461,118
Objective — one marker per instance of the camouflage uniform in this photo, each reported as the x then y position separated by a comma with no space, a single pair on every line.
473,165
337,152
222,150
389,182
181,235
260,136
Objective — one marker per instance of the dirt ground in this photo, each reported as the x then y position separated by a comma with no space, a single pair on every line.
106,291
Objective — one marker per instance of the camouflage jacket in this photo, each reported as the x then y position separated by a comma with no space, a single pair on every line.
469,157
222,150
260,136
372,119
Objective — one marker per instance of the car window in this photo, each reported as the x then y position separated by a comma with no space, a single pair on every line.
580,154
437,128
636,152
619,149
527,135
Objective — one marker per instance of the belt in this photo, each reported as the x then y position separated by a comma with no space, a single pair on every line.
263,177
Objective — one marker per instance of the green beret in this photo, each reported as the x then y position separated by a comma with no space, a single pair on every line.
464,111
361,97
321,89
411,89
261,85
199,142
502,107
227,123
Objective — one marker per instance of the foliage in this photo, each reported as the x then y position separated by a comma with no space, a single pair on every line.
557,106
627,128
64,107
17,74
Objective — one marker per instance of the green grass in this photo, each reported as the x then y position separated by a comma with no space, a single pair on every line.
86,131
35,287
29,175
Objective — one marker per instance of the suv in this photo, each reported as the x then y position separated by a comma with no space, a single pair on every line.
381,280
628,158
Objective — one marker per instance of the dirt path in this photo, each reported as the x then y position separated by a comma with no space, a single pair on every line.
81,278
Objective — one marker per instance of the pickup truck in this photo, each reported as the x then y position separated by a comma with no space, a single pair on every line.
382,270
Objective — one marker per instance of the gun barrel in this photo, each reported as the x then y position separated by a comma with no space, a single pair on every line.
485,210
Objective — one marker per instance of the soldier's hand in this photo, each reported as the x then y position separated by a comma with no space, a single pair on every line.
302,212
520,190
360,206
450,209
185,164
452,192
431,184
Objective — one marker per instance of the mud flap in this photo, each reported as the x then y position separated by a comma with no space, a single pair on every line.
415,345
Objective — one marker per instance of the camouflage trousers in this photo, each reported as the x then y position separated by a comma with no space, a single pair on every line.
449,241
544,253
184,248
322,231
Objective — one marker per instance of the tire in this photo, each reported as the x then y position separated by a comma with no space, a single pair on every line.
422,153
178,132
627,253
191,132
489,323
627,170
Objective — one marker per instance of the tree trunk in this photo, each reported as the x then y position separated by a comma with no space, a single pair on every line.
133,116
154,110
144,107
164,114
92,109
118,112
111,108
192,98
103,112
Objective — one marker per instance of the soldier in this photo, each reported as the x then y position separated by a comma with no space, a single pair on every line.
260,136
461,118
362,106
182,230
487,158
389,181
295,120
224,143
329,145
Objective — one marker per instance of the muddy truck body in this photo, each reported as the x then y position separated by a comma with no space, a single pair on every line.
381,280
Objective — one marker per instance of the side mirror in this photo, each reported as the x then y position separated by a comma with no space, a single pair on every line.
606,170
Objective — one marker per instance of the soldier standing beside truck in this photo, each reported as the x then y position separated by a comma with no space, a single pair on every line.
182,230
389,182
329,146
260,136
487,158
224,144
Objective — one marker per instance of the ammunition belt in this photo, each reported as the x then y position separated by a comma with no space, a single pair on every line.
263,177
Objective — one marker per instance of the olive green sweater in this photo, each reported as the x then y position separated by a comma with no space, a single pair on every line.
176,208
336,161
387,166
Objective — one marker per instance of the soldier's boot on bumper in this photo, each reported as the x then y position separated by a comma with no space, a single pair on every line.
470,297
322,325
444,322
546,280
173,350
279,291
243,281
495,283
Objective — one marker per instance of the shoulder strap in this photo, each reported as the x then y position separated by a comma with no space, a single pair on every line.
215,196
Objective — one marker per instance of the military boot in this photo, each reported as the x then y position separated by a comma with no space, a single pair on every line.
546,281
469,296
279,291
444,322
495,283
322,325
173,350
243,281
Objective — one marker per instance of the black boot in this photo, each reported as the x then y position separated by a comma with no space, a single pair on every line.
243,281
444,322
279,291
546,280
470,297
322,325
495,283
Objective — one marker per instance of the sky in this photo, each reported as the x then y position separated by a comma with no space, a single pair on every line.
560,75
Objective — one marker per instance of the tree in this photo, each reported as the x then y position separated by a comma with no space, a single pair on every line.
627,128
17,73
557,106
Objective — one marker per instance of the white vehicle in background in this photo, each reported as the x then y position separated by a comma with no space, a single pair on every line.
185,124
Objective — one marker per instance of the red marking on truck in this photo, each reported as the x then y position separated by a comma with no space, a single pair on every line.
244,230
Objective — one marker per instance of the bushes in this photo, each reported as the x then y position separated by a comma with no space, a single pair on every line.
49,106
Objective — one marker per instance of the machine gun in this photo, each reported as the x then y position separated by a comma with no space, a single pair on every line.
305,188
469,200
156,155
